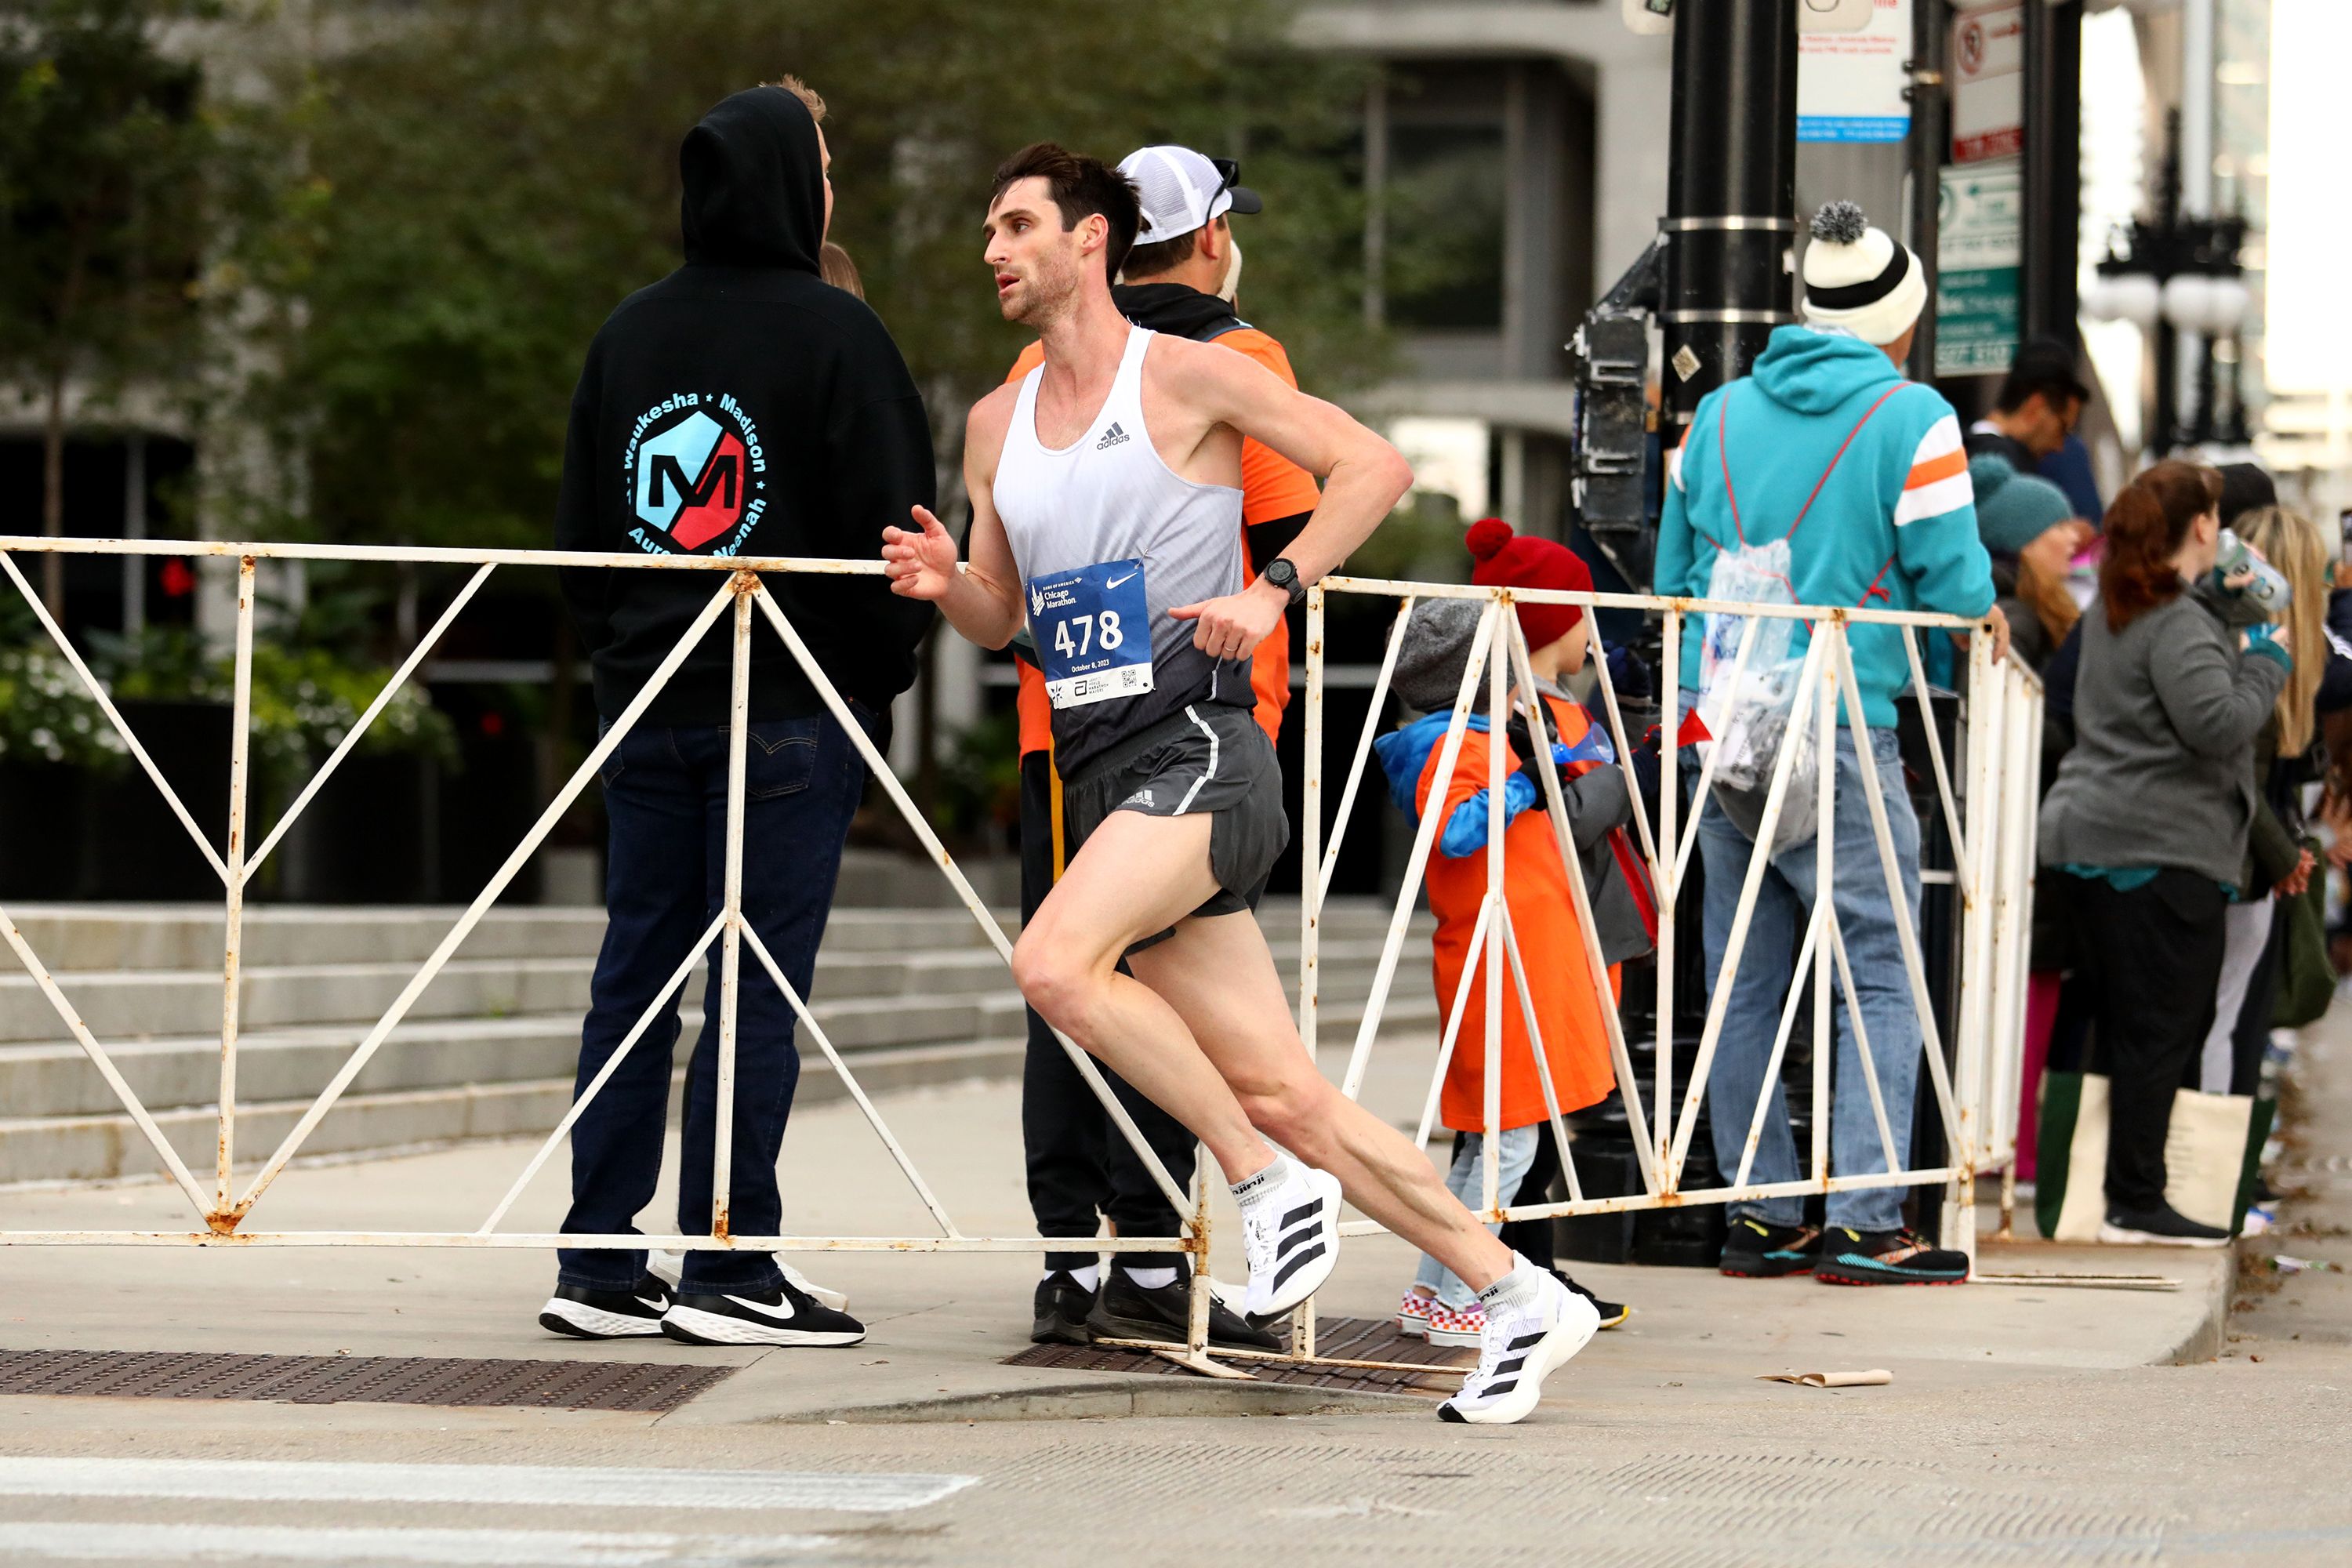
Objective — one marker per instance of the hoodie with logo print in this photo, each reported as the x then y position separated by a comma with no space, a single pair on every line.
744,407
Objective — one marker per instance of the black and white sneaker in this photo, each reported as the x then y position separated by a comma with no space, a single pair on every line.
590,1314
1612,1312
1062,1306
1290,1233
2162,1226
783,1316
1127,1310
1534,1325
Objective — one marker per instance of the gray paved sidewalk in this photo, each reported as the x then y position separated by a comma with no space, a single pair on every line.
2023,1426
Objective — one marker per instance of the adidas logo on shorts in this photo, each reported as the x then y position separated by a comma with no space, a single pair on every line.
1141,797
1111,437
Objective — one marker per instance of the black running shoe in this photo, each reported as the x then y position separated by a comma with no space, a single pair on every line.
1887,1258
2162,1226
588,1314
1758,1251
1612,1312
778,1316
1127,1310
1062,1307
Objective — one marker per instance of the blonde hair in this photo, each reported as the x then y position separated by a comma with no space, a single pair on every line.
803,91
836,268
2297,548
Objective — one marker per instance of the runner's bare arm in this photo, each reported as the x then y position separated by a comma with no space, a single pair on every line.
983,600
1363,475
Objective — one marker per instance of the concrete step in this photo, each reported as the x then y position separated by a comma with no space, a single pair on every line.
955,998
125,1004
104,1147
377,1115
76,938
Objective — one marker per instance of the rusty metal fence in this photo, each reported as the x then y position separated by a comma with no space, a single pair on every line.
1991,821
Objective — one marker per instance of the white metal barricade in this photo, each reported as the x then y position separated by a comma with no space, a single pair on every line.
1976,1099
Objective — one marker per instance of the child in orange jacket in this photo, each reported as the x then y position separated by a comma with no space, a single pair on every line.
1567,1005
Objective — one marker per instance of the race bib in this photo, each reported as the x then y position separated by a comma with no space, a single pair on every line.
1093,628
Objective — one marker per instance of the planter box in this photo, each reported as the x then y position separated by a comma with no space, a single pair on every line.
135,847
370,836
42,808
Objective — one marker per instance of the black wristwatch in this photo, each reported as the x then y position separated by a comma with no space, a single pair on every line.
1285,576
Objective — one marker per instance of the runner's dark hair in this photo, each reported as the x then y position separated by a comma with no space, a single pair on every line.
1081,188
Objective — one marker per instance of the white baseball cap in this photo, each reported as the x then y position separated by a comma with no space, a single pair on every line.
1181,190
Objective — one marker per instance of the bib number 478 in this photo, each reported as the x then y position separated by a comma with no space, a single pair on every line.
1097,630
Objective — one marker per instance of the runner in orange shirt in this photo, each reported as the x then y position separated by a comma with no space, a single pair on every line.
1181,279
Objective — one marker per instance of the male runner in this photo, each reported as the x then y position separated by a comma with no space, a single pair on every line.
1180,277
1106,510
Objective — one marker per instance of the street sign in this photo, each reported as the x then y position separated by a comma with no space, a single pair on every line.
1980,228
1988,83
1851,82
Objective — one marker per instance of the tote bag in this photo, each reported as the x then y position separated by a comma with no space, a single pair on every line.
2212,1151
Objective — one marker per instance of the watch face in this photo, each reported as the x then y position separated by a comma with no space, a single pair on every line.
1281,573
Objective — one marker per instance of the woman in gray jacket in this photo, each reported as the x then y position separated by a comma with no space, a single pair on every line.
2147,823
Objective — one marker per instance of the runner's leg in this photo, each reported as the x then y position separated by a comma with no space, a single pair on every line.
1133,878
1217,976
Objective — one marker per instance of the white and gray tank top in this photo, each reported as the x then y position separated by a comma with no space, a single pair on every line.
1108,538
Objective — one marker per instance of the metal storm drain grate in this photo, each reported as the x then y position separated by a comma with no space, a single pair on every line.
1341,1339
362,1380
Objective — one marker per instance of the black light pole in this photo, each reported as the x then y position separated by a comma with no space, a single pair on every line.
2054,169
1731,193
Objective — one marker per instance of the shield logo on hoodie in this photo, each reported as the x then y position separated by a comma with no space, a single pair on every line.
691,480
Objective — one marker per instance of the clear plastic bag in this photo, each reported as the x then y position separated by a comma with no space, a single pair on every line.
1749,719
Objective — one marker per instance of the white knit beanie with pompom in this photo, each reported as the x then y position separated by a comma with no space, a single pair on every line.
1858,278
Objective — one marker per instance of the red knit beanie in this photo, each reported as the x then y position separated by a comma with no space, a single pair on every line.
1509,560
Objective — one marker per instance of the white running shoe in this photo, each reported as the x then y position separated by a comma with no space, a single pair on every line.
1534,1325
1291,1236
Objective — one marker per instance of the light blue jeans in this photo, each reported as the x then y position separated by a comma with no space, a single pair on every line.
1514,1154
1783,904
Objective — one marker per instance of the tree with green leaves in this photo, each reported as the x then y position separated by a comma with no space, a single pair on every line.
114,176
496,178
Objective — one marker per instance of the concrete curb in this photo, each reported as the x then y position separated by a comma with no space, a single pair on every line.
2205,1341
1123,1397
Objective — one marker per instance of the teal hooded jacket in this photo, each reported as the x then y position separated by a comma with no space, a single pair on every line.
1892,526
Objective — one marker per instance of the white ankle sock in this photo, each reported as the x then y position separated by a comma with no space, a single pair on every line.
1085,1277
1521,1279
1149,1278
1251,1191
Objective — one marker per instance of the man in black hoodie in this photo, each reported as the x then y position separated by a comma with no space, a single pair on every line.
739,406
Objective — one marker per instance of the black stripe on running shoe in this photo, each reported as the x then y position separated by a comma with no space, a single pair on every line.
1513,1364
1496,1390
1304,1211
1305,1232
1293,1266
1526,1341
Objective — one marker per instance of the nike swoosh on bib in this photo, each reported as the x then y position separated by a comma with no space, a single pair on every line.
1115,581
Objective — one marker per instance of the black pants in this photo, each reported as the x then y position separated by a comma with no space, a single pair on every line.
665,795
1080,1167
2153,958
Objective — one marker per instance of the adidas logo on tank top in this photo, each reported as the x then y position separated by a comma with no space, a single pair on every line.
1081,519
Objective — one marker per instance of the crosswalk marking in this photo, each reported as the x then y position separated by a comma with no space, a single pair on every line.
450,1548
549,1486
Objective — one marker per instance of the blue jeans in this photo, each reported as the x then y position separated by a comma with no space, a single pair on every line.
666,796
1783,903
1515,1152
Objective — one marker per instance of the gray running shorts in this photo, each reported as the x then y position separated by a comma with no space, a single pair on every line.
1206,759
